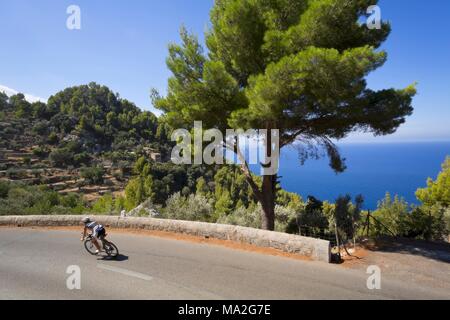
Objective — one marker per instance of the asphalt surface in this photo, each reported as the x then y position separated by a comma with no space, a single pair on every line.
34,263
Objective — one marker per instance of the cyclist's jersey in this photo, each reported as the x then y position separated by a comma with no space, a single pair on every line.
97,229
91,225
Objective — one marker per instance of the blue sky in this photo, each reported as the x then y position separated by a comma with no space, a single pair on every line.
123,44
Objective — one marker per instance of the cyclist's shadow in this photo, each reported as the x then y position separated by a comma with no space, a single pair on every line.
119,258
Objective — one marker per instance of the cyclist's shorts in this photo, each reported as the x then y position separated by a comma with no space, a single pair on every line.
98,231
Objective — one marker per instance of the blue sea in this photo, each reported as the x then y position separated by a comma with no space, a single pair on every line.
372,170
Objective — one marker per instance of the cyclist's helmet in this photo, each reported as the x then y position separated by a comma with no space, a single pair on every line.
86,220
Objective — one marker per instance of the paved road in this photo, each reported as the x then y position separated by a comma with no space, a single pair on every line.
33,265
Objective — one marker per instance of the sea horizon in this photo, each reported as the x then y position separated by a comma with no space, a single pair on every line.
373,169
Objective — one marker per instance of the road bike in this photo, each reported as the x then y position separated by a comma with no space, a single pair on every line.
109,247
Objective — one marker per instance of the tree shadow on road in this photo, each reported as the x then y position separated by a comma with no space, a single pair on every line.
439,251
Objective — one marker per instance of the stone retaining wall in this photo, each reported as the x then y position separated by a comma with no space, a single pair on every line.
316,249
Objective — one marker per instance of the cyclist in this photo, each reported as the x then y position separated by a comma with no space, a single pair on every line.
98,232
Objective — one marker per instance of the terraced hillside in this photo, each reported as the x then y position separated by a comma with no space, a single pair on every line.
84,140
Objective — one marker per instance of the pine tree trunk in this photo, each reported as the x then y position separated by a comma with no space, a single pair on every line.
268,189
268,202
267,194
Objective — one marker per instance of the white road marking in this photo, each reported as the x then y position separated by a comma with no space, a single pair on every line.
125,272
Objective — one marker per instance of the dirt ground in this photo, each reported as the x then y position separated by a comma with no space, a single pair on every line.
422,262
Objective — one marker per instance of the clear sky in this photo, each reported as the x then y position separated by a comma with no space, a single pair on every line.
123,45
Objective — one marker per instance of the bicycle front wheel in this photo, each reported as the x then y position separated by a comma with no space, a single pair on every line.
90,247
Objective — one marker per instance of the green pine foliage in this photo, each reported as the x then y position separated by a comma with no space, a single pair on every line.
296,66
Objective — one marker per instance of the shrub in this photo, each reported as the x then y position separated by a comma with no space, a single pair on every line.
40,152
52,138
104,205
393,214
82,158
436,196
185,191
14,173
311,215
4,189
61,157
191,208
22,197
427,223
14,145
71,200
93,175
438,191
347,216
119,204
201,187
137,191
22,200
10,130
285,218
41,127
244,217
26,161
224,204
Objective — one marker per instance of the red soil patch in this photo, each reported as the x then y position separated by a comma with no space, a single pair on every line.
358,257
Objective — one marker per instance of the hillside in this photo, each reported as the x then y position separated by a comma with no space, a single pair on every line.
85,140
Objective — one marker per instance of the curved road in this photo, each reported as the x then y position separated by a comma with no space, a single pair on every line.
33,265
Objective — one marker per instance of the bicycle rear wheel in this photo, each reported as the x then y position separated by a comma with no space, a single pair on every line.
90,247
110,249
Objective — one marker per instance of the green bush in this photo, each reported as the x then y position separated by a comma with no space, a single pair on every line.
41,127
436,200
311,215
93,175
438,191
61,157
4,189
41,152
36,173
427,222
14,173
39,200
347,216
82,158
26,161
52,138
285,217
137,191
396,217
105,205
244,217
393,215
191,208
71,200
